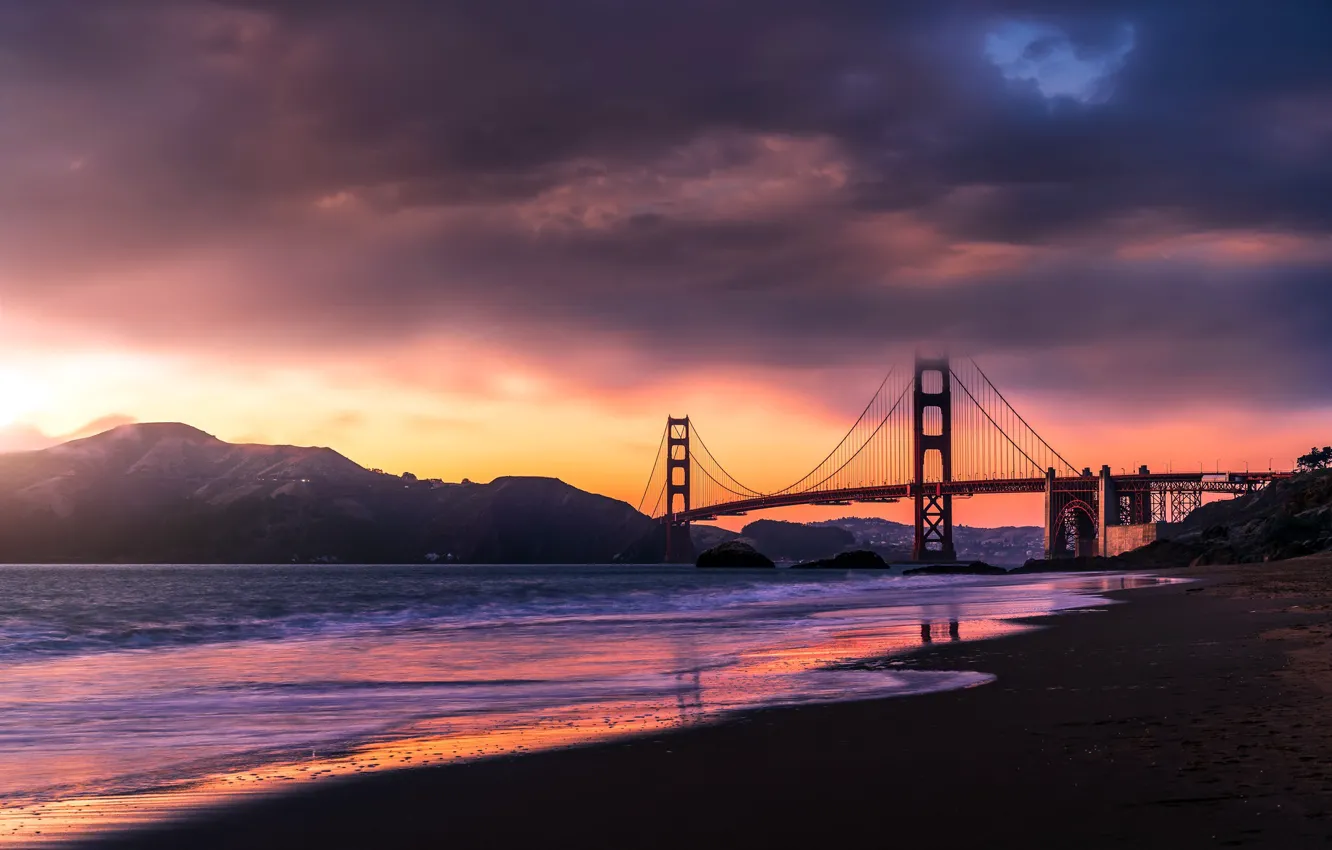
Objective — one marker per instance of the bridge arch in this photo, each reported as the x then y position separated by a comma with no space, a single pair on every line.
1076,528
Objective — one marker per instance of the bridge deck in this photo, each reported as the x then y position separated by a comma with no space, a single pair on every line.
1208,482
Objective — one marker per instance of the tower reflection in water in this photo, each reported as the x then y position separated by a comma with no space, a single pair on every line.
688,678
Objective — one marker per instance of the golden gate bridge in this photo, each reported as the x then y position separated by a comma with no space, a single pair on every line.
932,434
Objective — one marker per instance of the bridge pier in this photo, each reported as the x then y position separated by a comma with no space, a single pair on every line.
1051,514
1071,516
679,543
1107,509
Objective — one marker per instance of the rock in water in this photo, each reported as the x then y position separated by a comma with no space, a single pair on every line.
1092,563
796,541
975,568
733,554
857,560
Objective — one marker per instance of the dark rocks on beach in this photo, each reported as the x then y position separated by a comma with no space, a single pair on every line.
1218,556
857,560
1070,565
734,554
975,568
1291,518
1160,554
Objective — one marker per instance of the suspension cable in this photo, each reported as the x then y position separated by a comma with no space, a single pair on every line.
791,487
1048,447
703,469
653,474
848,461
963,385
708,452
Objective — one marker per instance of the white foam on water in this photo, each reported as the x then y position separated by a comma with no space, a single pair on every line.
180,681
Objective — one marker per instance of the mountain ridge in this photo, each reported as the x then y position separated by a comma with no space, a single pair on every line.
158,492
172,452
169,492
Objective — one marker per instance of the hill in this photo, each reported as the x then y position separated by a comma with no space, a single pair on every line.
793,541
168,492
893,540
1287,519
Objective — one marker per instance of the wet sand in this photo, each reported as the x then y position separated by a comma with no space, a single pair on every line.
1194,716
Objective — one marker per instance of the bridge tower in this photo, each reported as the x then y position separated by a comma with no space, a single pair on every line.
932,455
678,543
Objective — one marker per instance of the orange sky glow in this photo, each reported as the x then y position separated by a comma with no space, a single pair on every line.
520,420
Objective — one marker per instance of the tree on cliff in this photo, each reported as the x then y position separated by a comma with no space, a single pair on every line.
1316,459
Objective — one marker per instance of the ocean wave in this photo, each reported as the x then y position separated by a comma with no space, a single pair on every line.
111,681
190,618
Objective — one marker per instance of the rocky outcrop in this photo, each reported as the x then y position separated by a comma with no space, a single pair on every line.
706,536
1070,565
734,554
1287,519
857,560
795,541
1007,546
975,568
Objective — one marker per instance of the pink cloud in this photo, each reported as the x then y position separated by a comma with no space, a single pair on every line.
1230,248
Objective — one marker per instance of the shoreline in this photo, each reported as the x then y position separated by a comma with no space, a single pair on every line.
801,664
1167,721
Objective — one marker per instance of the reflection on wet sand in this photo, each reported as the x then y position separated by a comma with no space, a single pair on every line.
799,671
786,675
927,631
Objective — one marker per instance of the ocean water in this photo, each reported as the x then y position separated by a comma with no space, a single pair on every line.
132,693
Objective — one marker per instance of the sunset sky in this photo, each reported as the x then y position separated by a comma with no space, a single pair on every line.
471,239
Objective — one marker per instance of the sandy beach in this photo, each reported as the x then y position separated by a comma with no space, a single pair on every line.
1190,717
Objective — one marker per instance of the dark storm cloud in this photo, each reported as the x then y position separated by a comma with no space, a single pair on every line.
556,173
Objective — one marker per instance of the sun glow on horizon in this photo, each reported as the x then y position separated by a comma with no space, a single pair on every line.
20,396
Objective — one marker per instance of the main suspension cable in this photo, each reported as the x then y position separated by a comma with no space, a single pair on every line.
653,474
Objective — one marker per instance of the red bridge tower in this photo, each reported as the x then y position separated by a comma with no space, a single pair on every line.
932,452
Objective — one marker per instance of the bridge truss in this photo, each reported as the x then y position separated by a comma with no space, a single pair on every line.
932,434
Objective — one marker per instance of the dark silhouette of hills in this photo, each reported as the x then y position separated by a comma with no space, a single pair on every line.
793,541
170,493
708,536
1287,519
167,492
893,540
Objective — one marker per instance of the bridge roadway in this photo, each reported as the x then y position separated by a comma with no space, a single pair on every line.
1232,483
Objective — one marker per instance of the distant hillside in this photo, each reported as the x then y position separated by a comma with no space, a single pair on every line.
793,541
167,492
893,540
707,536
171,493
